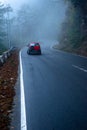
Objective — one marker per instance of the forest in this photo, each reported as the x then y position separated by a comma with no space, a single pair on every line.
72,36
4,27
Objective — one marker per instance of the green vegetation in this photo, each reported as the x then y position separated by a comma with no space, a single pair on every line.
4,27
74,30
2,30
2,48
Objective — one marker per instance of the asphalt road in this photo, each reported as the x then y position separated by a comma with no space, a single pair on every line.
55,86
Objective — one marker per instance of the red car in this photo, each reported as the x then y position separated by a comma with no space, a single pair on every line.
34,48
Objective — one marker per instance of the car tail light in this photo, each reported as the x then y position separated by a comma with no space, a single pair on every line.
37,47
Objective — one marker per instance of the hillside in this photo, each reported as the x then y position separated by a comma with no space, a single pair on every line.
73,35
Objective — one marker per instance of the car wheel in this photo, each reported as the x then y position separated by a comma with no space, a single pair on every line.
40,53
28,52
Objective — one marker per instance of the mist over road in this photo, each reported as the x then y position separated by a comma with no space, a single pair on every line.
55,89
37,20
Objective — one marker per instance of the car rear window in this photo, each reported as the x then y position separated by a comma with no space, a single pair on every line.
37,44
32,44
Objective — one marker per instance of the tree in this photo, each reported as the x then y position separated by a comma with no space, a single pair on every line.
3,25
75,34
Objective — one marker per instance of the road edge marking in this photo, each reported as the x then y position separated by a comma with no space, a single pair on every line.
82,69
23,108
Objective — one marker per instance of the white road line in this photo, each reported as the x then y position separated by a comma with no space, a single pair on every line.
82,69
23,108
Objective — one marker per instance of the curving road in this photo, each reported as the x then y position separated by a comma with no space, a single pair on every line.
55,86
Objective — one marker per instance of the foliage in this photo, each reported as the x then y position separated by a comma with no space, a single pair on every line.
3,25
2,48
74,28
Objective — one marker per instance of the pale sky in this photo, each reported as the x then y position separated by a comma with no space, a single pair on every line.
15,4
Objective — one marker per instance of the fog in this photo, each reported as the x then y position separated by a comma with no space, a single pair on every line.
38,20
15,4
